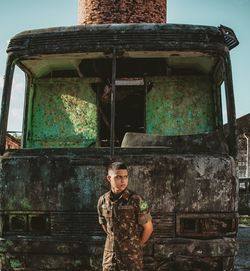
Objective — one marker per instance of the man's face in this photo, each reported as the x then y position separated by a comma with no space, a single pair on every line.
118,180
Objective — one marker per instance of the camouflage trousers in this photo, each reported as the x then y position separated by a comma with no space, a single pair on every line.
111,262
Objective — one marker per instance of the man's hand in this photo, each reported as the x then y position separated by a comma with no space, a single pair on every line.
147,231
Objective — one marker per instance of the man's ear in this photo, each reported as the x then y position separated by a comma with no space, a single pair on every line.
109,178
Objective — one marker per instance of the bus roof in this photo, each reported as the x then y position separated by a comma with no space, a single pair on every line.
122,37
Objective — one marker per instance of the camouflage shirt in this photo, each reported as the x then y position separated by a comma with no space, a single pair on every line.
123,217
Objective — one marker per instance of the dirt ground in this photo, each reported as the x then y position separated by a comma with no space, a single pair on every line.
242,261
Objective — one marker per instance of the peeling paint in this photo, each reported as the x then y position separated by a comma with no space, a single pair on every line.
63,113
165,180
180,105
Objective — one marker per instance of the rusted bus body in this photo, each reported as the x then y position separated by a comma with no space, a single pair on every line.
148,95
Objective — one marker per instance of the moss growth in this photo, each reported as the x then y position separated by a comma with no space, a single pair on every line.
25,204
77,263
14,263
245,220
5,245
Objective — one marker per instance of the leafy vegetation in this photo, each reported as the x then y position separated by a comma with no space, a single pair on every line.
245,220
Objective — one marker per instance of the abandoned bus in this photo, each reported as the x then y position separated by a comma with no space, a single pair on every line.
146,94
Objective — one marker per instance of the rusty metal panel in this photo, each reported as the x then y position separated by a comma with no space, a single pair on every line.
51,254
132,37
63,113
168,179
62,184
51,184
190,254
57,184
206,225
180,105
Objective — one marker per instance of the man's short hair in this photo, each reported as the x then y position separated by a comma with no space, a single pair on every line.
116,166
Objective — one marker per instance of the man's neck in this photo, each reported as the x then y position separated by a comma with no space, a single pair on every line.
116,195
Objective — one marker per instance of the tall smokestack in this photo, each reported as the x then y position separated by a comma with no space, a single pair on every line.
121,11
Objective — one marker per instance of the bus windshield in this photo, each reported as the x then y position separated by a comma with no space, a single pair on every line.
69,99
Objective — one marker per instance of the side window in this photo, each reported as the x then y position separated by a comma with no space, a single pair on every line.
15,120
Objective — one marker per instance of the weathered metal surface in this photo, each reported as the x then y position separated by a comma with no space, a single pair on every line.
62,113
56,184
180,105
229,36
124,37
41,183
141,64
191,255
199,143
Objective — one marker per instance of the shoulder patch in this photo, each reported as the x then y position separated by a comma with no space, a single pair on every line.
143,206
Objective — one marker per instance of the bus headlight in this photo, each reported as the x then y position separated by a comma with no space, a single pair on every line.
206,225
25,223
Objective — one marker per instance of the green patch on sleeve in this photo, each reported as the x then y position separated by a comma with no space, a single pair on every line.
143,206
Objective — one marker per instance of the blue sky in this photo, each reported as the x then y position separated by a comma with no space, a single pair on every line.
19,15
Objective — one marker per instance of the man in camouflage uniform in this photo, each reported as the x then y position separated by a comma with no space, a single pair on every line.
122,213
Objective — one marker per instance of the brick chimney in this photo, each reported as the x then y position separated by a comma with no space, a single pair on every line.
121,11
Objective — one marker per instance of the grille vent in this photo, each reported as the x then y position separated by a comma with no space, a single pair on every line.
229,37
94,42
75,223
164,225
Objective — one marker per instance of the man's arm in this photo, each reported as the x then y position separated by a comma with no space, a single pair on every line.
100,215
104,226
146,233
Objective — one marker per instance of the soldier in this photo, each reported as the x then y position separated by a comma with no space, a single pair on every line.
122,213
